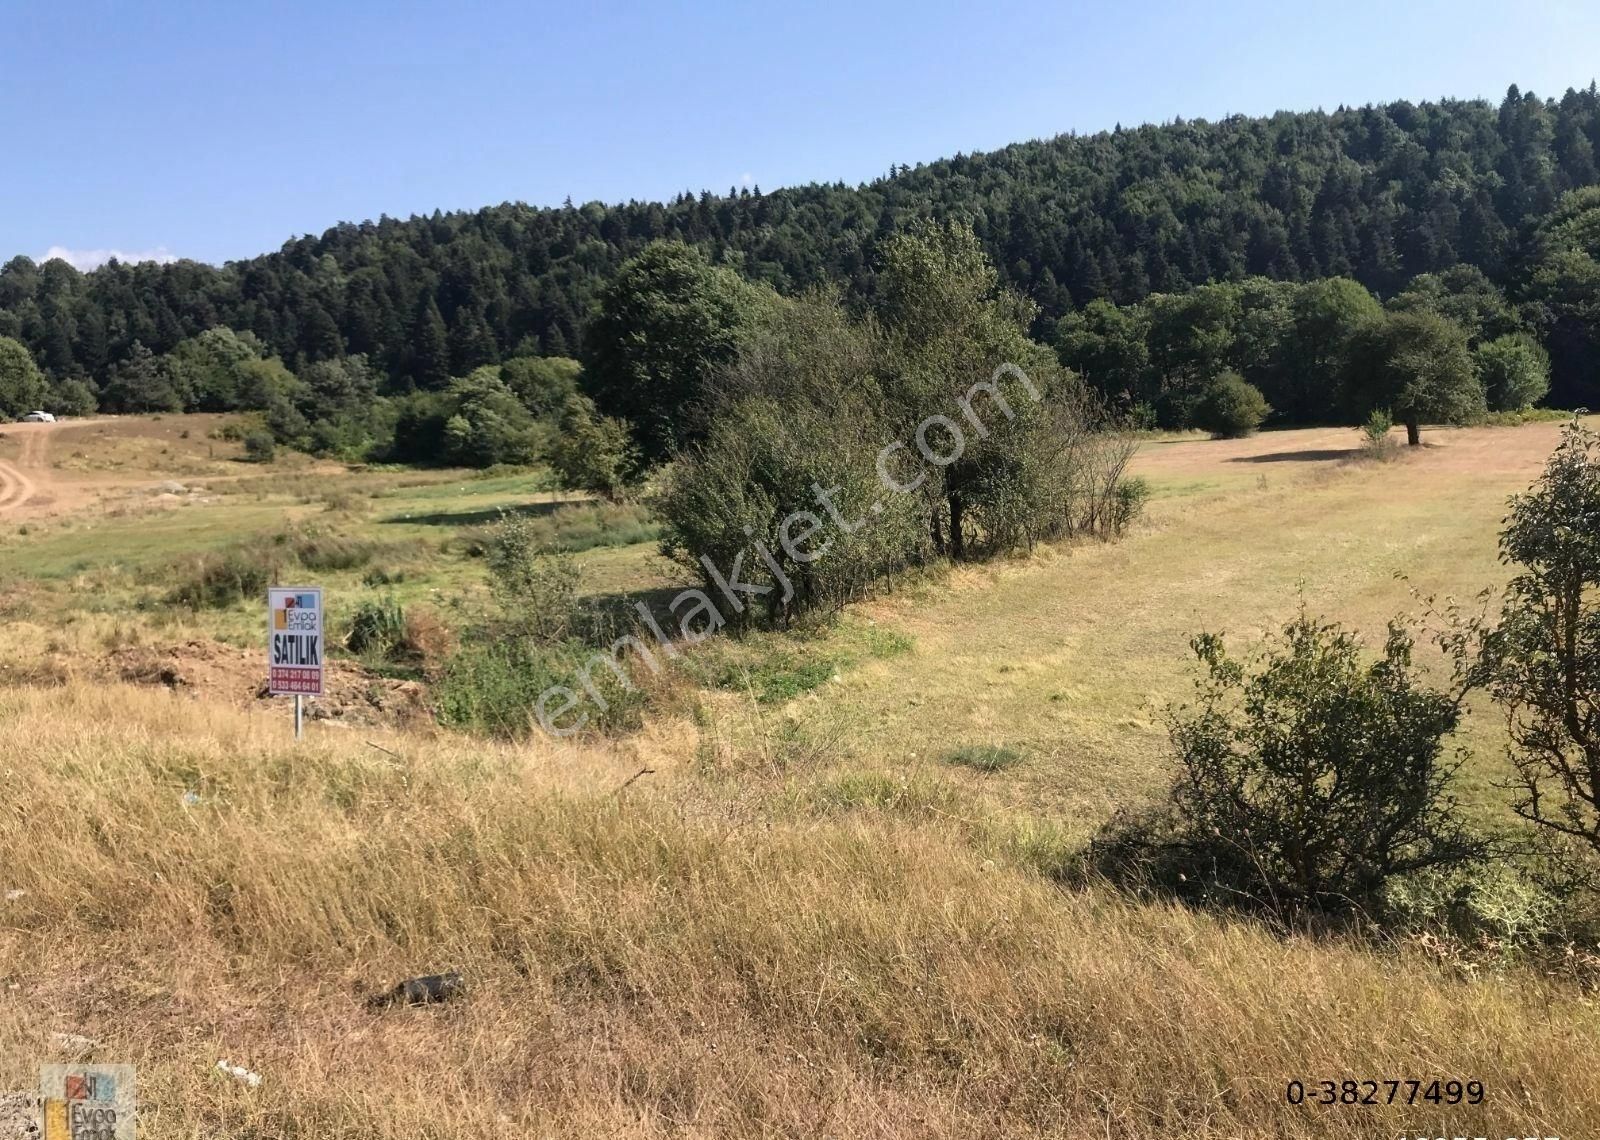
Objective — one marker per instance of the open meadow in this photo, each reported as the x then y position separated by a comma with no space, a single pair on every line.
819,891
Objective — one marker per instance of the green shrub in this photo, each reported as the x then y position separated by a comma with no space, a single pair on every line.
224,578
537,591
493,685
592,452
259,447
378,627
1312,782
1231,408
1128,502
1376,442
1542,662
1498,902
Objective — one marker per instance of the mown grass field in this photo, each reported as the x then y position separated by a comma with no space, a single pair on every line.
829,908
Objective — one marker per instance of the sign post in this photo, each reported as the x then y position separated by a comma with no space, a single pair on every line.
295,646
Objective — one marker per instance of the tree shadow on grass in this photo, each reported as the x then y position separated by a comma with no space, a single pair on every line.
1323,455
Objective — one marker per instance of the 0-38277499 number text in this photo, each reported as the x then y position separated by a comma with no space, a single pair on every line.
1370,1092
1408,1092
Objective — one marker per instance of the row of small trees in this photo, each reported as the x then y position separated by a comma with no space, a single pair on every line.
929,425
1447,349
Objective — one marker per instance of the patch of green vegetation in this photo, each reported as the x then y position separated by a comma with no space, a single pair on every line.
778,667
913,794
778,678
984,757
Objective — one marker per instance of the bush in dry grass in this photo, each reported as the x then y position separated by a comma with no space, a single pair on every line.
1310,782
224,578
537,591
259,447
1376,442
377,627
1231,408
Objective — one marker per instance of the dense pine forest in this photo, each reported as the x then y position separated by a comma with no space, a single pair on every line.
1377,194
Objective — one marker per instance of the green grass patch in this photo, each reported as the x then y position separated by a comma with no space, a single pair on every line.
984,757
899,794
776,679
779,666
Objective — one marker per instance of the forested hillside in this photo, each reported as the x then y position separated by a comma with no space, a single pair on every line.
1380,194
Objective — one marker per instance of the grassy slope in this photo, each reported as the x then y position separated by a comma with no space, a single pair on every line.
783,937
672,961
1072,656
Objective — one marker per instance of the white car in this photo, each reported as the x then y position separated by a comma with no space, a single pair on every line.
38,418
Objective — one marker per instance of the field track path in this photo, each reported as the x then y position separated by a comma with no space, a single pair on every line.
16,487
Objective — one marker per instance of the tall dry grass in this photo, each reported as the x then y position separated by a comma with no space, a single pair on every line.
657,963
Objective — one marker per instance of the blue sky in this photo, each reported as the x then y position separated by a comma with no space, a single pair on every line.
218,130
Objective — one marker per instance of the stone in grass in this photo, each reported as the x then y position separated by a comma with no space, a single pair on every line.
421,991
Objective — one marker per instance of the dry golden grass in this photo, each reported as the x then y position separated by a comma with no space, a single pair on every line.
667,961
1071,656
804,922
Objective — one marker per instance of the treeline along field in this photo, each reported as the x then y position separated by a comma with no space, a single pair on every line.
1379,194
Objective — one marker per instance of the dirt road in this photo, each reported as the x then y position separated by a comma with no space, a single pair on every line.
16,488
21,479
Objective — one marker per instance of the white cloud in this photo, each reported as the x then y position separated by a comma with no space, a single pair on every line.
87,259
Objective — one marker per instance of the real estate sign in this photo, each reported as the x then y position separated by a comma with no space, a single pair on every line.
294,641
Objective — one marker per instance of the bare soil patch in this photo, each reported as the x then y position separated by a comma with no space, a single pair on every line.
210,670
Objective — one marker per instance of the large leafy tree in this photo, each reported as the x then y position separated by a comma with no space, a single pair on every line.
1318,356
1514,371
1566,287
666,325
1417,366
951,325
1108,346
21,383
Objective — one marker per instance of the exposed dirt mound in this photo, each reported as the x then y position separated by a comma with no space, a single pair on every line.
212,670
